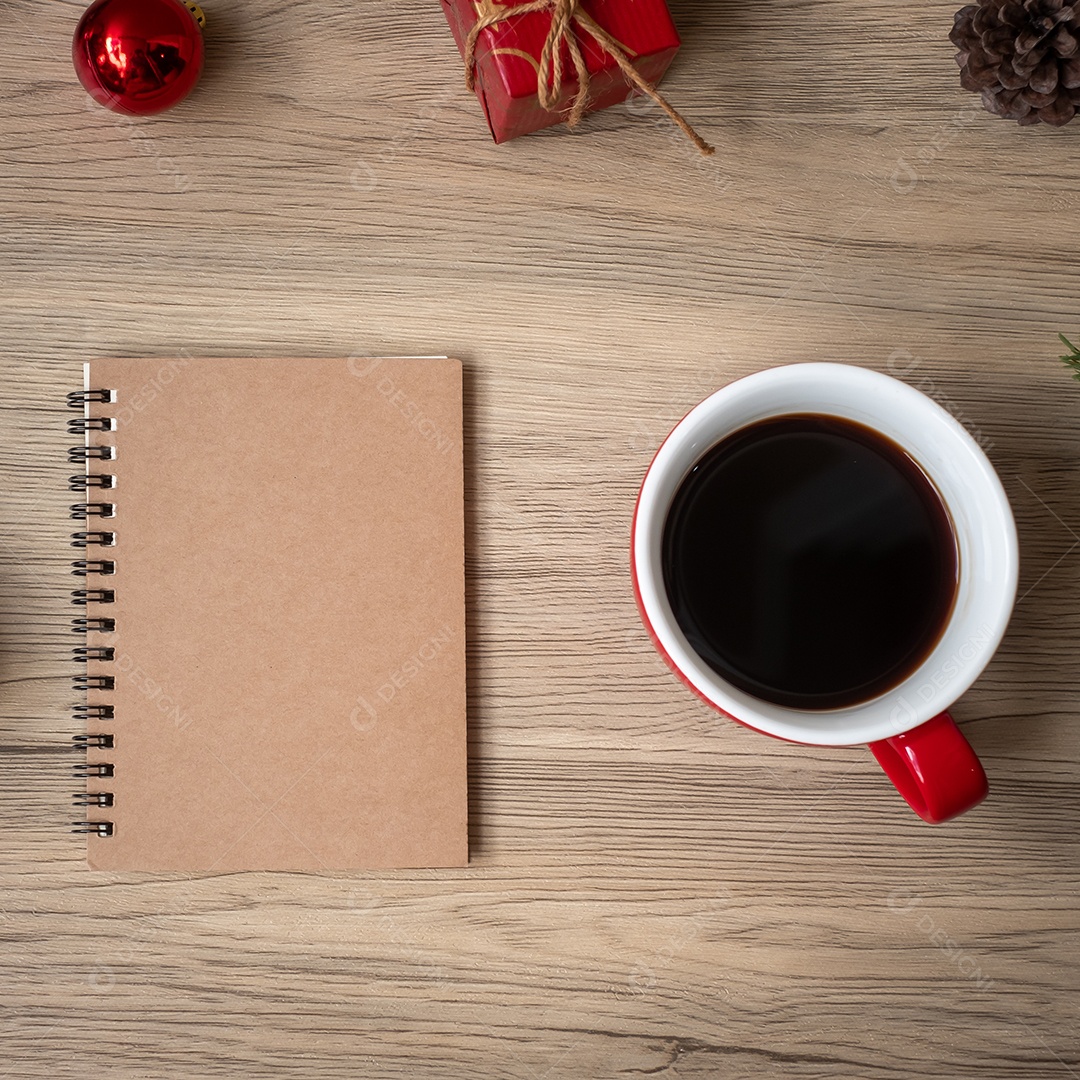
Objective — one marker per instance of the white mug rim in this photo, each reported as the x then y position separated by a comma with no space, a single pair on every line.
974,494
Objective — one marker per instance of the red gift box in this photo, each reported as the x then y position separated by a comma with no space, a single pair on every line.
508,58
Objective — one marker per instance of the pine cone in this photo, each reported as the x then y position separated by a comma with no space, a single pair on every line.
1023,56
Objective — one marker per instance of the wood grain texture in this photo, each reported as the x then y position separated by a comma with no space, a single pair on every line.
652,891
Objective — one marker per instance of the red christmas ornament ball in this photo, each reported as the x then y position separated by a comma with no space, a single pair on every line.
139,56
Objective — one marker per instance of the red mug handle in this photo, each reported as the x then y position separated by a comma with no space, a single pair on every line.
934,768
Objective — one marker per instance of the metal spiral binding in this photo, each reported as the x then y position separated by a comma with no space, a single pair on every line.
91,769
94,652
85,483
85,510
80,425
93,596
92,798
102,742
77,454
78,398
92,539
94,828
93,682
86,714
83,567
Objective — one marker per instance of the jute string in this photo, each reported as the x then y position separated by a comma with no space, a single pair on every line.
565,16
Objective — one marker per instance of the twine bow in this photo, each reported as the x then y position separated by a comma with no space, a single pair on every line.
566,15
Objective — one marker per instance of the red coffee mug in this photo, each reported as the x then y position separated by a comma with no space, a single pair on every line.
908,728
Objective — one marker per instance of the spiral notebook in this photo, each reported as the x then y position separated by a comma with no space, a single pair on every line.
272,629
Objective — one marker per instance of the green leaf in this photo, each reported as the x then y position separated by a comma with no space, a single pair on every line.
1072,358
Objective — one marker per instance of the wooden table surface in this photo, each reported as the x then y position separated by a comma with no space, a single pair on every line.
653,891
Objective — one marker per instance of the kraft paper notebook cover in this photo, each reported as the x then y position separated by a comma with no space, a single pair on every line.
274,614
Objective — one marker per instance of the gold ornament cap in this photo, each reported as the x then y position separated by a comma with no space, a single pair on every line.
197,13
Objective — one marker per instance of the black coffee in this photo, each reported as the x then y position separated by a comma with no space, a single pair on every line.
810,561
